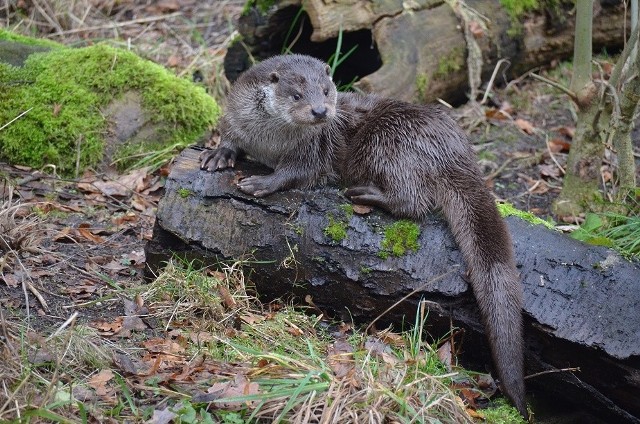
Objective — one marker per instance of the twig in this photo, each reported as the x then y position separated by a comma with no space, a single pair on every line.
557,85
5,332
414,291
120,24
492,80
63,326
553,158
500,169
538,374
16,118
38,296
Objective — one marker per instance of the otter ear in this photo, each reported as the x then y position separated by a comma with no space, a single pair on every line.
274,77
328,69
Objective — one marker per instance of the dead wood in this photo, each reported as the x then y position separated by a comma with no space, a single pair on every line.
418,50
581,301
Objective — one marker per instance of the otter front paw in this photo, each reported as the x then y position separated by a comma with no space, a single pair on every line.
220,158
369,195
258,185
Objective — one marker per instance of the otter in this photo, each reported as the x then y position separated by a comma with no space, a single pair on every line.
407,159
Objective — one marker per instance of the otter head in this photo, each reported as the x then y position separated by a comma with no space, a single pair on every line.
302,93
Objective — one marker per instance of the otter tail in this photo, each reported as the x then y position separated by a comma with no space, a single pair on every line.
487,249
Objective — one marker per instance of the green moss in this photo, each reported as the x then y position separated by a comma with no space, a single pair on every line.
500,412
63,91
262,6
507,209
487,155
184,192
517,8
453,62
10,36
347,208
400,237
336,230
422,84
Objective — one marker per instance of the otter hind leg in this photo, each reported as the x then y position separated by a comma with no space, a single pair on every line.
220,158
369,195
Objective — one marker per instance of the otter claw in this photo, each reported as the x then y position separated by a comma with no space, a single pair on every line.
220,158
256,185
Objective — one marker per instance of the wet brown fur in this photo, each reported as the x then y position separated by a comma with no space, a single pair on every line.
405,158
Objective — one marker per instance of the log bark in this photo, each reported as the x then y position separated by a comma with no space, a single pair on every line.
417,50
581,302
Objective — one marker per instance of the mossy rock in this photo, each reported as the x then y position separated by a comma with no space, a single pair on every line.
92,105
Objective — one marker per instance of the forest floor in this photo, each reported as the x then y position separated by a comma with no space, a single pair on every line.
73,254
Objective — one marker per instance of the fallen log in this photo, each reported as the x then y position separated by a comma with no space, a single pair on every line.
420,50
581,302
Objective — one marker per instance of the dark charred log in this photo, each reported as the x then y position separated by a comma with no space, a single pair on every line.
581,301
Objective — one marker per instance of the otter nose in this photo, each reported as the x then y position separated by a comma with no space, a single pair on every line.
319,111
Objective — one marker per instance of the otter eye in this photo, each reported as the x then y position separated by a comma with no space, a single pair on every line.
296,97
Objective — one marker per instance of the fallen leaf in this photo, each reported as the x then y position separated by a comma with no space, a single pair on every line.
84,231
549,170
164,416
496,114
340,358
173,61
568,132
226,297
240,386
445,355
108,328
476,29
98,382
11,280
251,318
64,235
558,145
361,209
525,126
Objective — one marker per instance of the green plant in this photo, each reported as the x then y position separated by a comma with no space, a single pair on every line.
336,230
61,93
611,230
399,237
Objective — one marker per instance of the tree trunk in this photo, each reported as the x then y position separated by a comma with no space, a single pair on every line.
417,50
581,302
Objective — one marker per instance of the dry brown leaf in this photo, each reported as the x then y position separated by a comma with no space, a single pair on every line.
361,209
445,355
240,386
124,185
568,132
108,328
476,29
340,358
63,235
533,185
84,290
496,114
11,280
173,61
549,170
228,300
558,145
166,346
84,231
129,217
99,382
525,126
251,318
